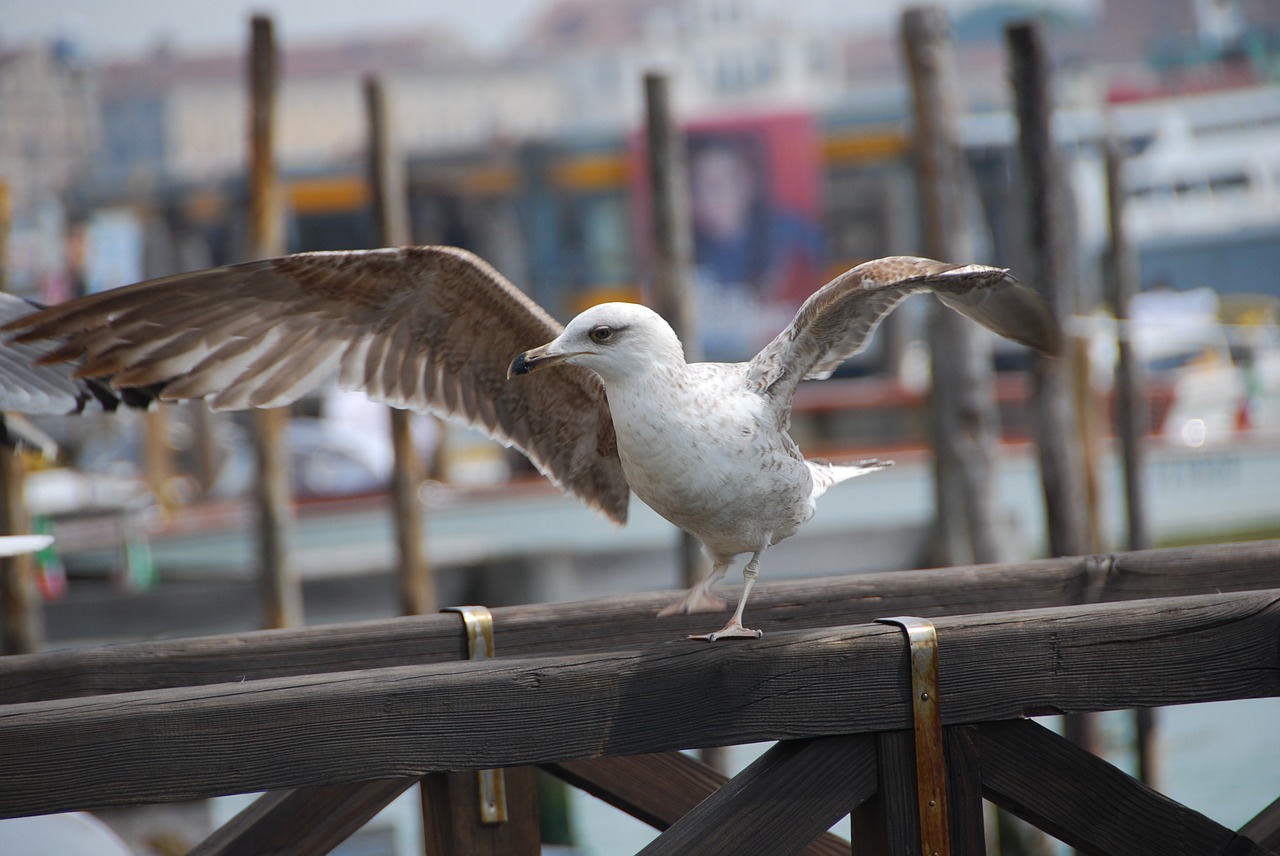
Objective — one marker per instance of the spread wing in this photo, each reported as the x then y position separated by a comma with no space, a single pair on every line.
27,386
427,328
838,319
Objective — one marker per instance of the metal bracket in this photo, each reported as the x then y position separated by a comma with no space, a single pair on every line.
478,621
931,766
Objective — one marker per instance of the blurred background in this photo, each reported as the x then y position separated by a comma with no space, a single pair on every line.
123,129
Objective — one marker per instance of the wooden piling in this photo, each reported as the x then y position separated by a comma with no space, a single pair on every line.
1057,431
963,408
673,295
1131,400
1131,416
415,580
281,588
21,618
1054,416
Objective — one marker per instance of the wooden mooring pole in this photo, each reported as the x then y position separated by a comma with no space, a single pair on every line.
21,615
280,586
1052,271
416,582
964,419
1131,416
673,295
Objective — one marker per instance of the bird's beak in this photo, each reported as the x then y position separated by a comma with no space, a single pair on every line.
532,361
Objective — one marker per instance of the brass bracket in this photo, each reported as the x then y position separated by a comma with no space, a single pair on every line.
478,621
931,766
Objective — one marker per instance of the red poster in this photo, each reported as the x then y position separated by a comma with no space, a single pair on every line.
758,244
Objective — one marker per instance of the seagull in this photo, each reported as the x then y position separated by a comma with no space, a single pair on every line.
27,386
604,406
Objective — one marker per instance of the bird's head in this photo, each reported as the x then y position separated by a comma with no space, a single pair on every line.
615,340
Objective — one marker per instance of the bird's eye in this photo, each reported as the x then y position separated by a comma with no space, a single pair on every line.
602,333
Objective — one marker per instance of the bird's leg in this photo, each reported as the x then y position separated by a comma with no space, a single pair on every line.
734,629
699,598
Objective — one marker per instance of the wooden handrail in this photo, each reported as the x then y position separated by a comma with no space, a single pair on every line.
619,622
192,742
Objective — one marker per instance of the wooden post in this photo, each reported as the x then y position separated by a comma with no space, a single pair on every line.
391,219
281,588
22,620
1055,421
1054,417
451,810
1131,401
1131,413
21,617
673,295
964,416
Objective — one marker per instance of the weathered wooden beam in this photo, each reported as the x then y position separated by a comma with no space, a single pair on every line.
964,791
303,820
785,799
888,822
1089,804
625,621
194,742
451,807
659,789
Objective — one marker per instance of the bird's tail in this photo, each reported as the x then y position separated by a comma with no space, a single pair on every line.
827,475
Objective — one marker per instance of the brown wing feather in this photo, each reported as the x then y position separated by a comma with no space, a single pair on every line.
429,328
838,319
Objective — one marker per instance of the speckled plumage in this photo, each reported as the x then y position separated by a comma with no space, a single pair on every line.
434,328
706,445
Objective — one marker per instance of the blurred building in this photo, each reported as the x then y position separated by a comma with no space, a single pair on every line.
50,122
170,117
722,56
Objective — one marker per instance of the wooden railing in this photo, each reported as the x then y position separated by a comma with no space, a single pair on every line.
337,721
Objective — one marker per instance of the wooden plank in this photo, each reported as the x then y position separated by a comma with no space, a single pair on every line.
659,789
1085,802
888,823
627,621
964,791
451,806
1264,828
193,742
785,799
303,820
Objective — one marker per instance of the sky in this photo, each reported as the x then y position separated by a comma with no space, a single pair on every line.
114,28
